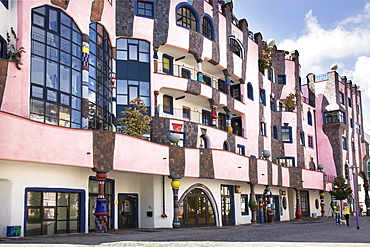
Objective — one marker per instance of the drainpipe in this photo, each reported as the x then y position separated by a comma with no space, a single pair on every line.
163,202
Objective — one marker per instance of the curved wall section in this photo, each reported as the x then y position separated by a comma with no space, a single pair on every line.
43,143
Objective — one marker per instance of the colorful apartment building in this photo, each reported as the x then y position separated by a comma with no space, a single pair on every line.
236,137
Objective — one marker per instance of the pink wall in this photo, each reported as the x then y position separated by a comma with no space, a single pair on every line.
285,177
192,162
262,172
230,166
324,149
17,89
153,157
312,179
55,145
275,174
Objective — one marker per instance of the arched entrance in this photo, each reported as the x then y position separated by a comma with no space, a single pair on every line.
197,208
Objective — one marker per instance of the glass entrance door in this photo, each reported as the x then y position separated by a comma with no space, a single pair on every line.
127,209
196,210
305,204
227,205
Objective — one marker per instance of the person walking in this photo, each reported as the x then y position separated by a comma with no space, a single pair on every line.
336,209
346,213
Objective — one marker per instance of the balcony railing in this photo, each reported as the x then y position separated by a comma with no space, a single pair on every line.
191,73
176,113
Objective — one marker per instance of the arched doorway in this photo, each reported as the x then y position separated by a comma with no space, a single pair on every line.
196,209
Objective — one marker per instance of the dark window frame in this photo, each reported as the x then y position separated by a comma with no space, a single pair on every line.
341,98
334,117
206,117
168,109
235,47
186,115
56,43
310,141
187,17
185,73
344,143
309,118
263,128
286,129
3,47
241,149
263,96
282,79
207,27
250,91
302,138
5,3
286,158
147,7
275,132
170,60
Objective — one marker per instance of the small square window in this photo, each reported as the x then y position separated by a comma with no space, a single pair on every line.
186,112
282,79
310,141
145,8
240,149
207,80
185,73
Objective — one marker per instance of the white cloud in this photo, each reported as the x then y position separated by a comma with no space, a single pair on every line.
361,74
319,47
346,44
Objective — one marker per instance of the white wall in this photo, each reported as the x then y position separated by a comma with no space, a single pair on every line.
22,175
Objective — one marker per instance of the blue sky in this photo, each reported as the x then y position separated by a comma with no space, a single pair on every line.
324,32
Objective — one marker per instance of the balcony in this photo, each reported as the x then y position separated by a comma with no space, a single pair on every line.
191,73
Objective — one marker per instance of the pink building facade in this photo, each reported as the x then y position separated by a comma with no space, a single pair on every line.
249,132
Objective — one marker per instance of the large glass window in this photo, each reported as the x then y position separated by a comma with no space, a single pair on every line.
334,117
186,18
100,71
53,212
133,73
55,68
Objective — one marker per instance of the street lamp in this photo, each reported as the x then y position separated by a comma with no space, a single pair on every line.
355,192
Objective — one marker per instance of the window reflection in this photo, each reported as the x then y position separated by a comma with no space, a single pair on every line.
55,66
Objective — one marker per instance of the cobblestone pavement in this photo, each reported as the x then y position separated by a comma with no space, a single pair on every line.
312,232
